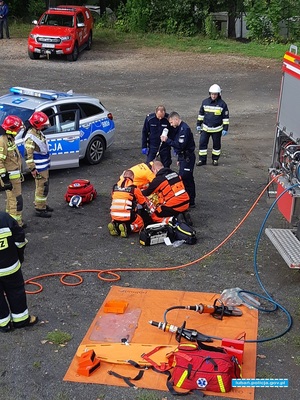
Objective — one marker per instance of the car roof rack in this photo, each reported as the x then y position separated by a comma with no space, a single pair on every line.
40,93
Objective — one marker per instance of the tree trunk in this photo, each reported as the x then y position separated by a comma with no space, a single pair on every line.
231,26
102,5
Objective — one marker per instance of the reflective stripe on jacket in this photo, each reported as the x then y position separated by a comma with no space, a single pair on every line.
10,158
213,115
125,197
37,153
12,241
169,187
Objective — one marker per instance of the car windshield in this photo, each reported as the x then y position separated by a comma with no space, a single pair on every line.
57,20
7,109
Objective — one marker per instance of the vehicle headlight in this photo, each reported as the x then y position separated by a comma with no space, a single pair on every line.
65,38
33,36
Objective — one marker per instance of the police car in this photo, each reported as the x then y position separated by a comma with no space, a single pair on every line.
80,126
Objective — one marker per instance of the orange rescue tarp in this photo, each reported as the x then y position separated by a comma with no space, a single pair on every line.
133,325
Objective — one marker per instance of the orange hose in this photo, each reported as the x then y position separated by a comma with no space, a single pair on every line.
115,271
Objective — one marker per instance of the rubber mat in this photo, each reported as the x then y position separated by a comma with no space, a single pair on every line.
149,304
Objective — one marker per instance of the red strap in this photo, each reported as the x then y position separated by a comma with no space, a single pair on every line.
163,366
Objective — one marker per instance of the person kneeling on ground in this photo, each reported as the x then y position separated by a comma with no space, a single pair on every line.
124,211
172,197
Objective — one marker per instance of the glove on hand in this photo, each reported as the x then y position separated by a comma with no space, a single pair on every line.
224,133
5,178
7,185
145,151
150,207
198,128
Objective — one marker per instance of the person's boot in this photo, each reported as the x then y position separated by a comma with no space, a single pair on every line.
188,218
123,230
30,321
200,163
42,213
113,229
215,163
49,209
6,328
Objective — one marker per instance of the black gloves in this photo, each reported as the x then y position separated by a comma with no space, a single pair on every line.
7,185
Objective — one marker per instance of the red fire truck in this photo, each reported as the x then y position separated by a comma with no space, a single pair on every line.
286,161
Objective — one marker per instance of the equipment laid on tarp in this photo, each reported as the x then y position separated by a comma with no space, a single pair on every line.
119,341
199,367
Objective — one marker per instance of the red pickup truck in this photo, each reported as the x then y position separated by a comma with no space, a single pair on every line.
64,30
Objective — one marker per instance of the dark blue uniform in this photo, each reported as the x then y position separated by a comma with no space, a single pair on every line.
184,146
214,118
151,133
13,305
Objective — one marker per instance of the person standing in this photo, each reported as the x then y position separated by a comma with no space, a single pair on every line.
38,161
153,127
213,121
184,146
124,206
10,167
4,19
13,305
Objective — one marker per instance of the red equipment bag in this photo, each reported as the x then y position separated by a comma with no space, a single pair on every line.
202,367
198,367
82,188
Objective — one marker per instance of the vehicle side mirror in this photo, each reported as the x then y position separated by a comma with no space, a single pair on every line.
34,22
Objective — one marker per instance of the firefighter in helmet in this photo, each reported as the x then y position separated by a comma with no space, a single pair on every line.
13,305
38,161
213,121
10,167
124,211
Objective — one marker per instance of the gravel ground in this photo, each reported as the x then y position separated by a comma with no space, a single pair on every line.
131,82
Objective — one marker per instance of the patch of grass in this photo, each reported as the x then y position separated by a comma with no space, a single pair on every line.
148,396
61,396
297,360
263,374
296,341
37,364
58,337
112,38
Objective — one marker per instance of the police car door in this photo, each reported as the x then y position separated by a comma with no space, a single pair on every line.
63,138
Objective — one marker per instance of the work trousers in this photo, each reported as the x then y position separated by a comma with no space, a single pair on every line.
41,190
4,24
13,306
203,144
186,171
135,224
164,155
165,211
14,201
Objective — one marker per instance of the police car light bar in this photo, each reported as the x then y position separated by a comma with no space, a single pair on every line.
35,93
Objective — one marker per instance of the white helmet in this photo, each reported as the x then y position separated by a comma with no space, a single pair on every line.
215,89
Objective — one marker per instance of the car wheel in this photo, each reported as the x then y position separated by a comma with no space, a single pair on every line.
74,55
32,55
89,42
95,150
